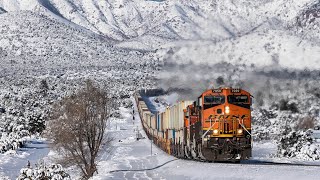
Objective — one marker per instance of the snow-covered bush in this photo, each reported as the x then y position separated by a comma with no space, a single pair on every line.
286,105
261,120
298,145
12,140
127,103
42,171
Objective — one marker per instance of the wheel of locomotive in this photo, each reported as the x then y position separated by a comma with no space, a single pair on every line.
200,152
171,149
181,147
178,150
194,151
174,150
187,152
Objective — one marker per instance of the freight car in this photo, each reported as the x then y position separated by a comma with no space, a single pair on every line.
215,127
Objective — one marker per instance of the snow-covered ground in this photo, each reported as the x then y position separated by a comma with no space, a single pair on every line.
12,162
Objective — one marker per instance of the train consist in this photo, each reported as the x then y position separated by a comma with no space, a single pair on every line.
215,127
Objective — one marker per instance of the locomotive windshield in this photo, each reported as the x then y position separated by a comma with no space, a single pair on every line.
238,99
214,99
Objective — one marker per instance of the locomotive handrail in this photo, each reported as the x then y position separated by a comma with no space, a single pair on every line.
208,130
247,132
244,128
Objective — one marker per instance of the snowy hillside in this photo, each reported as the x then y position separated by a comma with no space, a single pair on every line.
42,48
39,45
44,59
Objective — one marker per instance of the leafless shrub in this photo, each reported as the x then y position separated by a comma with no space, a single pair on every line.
286,105
78,127
307,122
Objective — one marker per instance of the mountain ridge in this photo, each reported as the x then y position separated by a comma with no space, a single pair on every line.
180,20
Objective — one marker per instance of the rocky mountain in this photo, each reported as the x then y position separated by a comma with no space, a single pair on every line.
170,20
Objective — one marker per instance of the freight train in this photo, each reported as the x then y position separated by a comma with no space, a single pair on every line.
215,127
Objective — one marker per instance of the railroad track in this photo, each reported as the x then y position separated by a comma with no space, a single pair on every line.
257,162
244,162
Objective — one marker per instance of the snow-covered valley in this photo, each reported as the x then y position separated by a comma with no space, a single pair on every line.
48,48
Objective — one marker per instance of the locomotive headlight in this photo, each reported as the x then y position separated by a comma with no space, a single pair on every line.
215,131
227,110
239,131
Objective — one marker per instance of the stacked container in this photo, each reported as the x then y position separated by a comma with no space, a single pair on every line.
171,134
165,126
146,118
176,116
171,119
182,105
161,121
153,120
166,118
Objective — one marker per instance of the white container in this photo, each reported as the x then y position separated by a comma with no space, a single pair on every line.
179,136
153,121
161,121
170,134
167,119
172,117
176,116
158,121
146,118
182,105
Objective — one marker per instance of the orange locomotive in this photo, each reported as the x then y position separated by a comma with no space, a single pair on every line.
218,125
215,127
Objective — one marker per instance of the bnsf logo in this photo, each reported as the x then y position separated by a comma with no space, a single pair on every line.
226,117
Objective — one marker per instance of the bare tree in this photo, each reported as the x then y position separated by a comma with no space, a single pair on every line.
78,127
